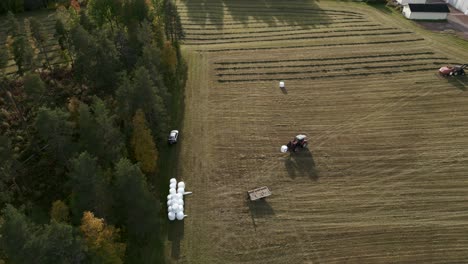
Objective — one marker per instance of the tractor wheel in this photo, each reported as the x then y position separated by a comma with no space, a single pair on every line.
451,73
456,73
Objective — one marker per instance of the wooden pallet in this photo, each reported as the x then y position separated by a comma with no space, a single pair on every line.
259,193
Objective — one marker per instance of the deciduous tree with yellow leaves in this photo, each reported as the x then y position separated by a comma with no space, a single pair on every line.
102,240
143,145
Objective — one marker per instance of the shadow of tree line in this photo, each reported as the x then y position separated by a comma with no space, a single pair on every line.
270,12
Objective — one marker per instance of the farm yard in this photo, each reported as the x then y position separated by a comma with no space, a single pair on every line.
385,176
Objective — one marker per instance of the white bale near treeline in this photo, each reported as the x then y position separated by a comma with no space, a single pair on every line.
180,215
281,84
175,200
171,216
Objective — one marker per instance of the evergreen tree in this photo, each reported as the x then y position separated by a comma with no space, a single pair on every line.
23,54
15,233
14,28
104,11
142,94
25,242
34,86
6,170
55,131
173,25
98,133
59,212
143,145
89,188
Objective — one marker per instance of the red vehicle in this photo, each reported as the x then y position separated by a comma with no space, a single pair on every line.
299,142
453,70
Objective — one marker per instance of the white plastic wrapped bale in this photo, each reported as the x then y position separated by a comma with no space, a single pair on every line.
172,191
173,180
284,149
281,84
171,216
180,215
169,202
172,186
181,190
181,184
179,196
169,196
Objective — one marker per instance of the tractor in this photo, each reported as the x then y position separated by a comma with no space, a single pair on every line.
299,142
453,70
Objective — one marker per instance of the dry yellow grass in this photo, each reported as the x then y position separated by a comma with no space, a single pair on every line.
386,176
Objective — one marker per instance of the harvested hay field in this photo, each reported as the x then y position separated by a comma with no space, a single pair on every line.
386,174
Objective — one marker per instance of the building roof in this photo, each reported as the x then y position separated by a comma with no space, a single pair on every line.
430,8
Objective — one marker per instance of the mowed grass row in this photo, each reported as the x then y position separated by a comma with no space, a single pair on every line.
309,67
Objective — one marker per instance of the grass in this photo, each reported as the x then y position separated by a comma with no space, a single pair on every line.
385,171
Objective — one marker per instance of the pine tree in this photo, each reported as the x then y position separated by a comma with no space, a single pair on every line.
34,86
55,131
143,145
59,212
23,54
90,190
98,133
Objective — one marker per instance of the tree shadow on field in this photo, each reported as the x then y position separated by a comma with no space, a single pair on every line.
175,234
302,13
460,82
301,163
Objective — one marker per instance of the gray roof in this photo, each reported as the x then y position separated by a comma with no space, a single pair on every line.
429,8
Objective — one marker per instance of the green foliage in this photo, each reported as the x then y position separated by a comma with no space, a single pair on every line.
13,25
137,209
55,131
135,11
103,11
34,86
25,242
59,212
15,6
173,25
89,187
15,233
6,170
141,93
23,54
98,133
96,59
143,145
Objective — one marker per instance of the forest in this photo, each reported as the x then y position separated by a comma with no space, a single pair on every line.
82,139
